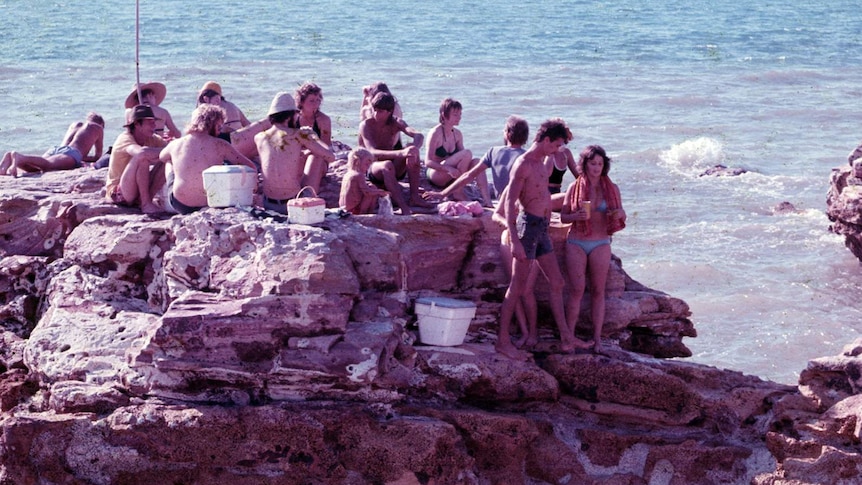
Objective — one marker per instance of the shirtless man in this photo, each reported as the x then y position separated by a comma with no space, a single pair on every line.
75,149
281,153
152,95
135,173
195,152
380,134
528,186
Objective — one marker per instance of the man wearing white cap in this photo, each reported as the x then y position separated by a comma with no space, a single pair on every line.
281,158
134,171
152,95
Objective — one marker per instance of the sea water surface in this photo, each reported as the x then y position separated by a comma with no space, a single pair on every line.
668,87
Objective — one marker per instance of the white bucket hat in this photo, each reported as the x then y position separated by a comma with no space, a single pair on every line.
283,102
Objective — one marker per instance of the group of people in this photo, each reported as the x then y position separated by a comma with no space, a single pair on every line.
591,206
292,147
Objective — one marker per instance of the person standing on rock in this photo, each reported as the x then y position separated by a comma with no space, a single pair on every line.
75,149
135,173
593,208
528,186
281,150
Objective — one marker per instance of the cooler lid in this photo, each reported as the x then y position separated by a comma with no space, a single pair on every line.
229,169
445,302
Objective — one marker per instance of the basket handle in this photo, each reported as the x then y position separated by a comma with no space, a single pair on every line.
313,193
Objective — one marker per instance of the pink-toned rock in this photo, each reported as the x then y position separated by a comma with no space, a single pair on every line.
230,347
844,207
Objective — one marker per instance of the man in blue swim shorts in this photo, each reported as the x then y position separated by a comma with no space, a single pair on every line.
528,188
80,138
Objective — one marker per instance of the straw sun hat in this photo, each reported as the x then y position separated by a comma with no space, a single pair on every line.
158,89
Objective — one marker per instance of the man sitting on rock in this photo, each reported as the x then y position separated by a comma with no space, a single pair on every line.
135,173
281,153
195,152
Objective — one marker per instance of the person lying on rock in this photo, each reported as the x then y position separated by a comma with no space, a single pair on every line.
528,186
75,149
187,157
282,149
135,173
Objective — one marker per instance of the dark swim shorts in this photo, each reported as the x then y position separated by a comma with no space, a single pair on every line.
533,234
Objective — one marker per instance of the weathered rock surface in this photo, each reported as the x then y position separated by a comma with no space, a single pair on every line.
231,347
844,207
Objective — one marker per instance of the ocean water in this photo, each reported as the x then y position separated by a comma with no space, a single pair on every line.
669,88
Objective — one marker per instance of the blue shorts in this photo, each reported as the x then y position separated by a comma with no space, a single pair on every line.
533,234
70,152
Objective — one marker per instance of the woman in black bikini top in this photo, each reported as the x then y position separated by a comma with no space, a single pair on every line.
309,97
445,156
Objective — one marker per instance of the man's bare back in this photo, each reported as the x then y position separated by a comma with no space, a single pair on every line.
282,163
190,155
82,136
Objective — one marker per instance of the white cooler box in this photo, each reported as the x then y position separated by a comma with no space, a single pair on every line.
229,185
443,321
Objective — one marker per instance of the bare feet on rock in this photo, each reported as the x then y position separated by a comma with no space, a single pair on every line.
510,351
570,345
151,209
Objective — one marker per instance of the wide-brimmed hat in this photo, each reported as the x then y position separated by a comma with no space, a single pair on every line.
283,101
158,89
211,85
139,112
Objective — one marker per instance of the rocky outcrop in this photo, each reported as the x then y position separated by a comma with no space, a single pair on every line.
844,207
230,347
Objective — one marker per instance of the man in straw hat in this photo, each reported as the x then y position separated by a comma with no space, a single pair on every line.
152,95
135,173
280,148
198,150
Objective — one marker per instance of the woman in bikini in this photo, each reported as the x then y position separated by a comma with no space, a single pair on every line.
592,205
445,156
560,162
308,98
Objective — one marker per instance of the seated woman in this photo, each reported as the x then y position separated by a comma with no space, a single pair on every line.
445,156
308,98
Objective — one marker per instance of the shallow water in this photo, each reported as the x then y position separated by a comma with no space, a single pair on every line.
669,88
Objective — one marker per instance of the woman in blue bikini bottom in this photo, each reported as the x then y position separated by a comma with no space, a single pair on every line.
588,246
